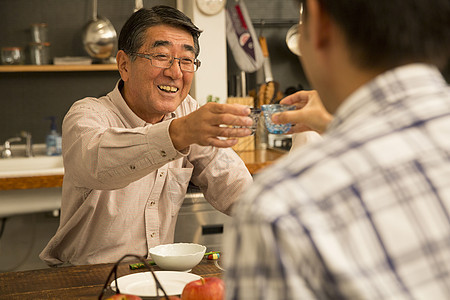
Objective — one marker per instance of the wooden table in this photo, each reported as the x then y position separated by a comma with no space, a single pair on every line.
77,282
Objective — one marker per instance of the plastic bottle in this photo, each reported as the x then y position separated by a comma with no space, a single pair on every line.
53,140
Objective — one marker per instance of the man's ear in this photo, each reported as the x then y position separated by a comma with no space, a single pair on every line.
320,25
123,64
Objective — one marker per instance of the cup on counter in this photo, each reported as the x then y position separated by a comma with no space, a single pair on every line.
12,56
39,32
270,109
40,53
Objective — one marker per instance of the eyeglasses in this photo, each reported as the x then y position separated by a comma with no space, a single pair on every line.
165,61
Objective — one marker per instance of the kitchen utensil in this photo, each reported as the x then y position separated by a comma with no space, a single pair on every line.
177,256
292,38
255,114
142,284
40,53
269,110
12,56
293,35
269,90
39,32
241,38
138,5
99,36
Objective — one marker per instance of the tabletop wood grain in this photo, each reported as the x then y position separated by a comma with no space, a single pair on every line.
75,282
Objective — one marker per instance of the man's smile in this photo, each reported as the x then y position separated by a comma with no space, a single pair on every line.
168,88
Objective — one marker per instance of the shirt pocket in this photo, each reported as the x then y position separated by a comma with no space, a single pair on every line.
177,184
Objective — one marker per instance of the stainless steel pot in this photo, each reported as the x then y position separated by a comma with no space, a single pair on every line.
99,36
292,38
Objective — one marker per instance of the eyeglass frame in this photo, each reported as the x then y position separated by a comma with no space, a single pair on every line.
196,62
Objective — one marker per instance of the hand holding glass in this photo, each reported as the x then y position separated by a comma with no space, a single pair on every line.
255,114
269,110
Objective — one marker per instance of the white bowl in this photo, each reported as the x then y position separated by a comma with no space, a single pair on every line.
178,256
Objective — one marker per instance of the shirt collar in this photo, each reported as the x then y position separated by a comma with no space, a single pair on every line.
386,89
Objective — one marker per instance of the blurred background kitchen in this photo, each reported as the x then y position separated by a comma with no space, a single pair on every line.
29,96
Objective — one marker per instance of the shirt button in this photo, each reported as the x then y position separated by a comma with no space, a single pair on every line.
152,235
163,153
132,167
152,203
161,174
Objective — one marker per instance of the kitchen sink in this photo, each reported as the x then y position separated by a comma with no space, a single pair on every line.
31,166
24,201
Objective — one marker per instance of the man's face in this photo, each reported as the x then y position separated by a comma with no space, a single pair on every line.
152,92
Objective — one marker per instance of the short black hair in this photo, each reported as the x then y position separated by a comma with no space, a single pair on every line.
132,35
389,33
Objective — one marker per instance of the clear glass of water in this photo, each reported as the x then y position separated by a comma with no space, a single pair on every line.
270,109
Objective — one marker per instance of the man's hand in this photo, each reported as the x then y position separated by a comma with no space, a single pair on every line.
211,121
309,115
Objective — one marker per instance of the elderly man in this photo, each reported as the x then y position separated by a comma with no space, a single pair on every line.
130,155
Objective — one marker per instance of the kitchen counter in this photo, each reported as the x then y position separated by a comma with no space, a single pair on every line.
75,282
259,159
254,160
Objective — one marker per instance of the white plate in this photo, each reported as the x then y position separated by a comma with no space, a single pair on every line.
142,284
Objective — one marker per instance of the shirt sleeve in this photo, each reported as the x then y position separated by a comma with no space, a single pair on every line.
99,155
221,175
304,138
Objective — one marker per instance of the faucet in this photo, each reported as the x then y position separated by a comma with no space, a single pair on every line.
6,152
29,145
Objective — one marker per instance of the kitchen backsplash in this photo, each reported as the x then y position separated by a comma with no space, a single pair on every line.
28,98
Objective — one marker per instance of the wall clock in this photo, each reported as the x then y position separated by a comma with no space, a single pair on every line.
210,7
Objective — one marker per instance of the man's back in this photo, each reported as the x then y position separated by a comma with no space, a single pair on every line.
363,214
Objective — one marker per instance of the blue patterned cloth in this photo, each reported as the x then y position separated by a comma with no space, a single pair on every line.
363,214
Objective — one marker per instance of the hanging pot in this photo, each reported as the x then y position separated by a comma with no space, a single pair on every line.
99,36
292,38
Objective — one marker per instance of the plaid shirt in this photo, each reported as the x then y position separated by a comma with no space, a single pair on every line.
363,214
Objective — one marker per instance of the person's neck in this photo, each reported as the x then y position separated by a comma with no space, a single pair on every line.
344,82
354,79
144,115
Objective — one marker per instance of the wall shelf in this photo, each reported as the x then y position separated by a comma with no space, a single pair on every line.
57,68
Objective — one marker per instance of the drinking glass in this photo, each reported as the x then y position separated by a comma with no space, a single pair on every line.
255,114
270,109
12,56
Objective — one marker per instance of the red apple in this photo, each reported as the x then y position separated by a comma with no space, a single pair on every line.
124,297
209,288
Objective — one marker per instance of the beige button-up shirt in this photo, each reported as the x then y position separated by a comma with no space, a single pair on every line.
124,181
